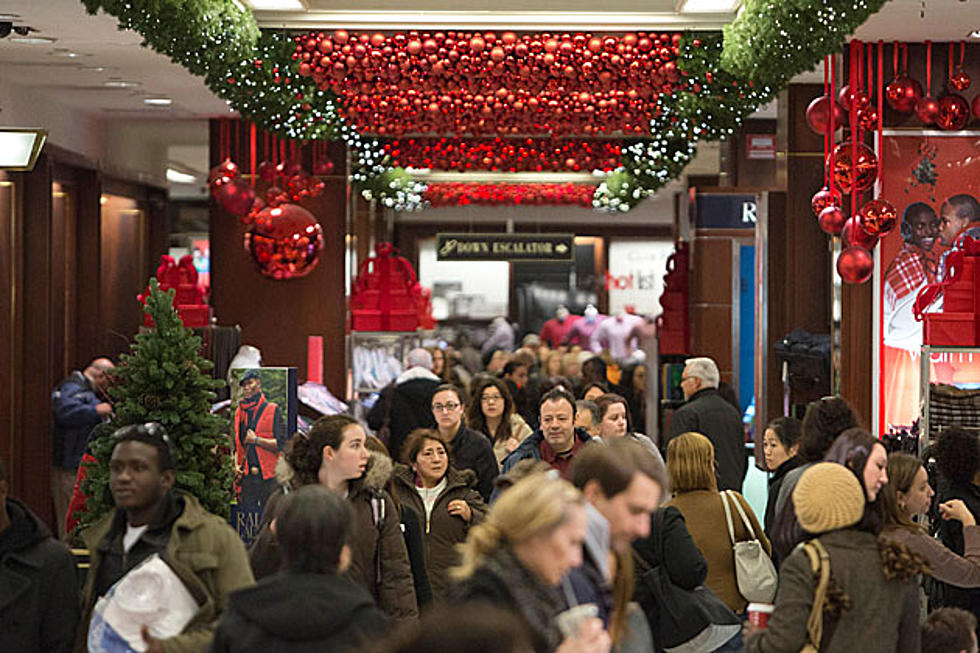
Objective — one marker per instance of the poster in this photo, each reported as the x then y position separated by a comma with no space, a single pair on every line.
264,409
933,180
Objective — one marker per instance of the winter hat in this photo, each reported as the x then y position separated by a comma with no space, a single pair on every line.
828,497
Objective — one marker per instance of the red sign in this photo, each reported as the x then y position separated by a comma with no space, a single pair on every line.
760,146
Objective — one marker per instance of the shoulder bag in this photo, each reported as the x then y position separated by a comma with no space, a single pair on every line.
754,572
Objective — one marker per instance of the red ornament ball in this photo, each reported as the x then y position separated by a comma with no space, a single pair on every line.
266,171
274,196
878,217
960,80
222,174
285,241
818,114
902,94
848,97
236,197
868,117
832,220
854,234
927,109
858,174
824,198
954,112
855,265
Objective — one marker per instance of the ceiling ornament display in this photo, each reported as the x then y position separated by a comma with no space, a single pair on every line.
460,194
506,154
698,89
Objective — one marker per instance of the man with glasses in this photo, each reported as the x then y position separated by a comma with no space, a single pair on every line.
471,450
557,441
151,517
708,413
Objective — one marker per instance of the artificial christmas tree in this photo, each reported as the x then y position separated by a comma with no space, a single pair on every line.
163,379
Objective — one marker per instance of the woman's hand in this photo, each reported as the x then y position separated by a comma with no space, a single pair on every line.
511,444
956,509
591,638
461,509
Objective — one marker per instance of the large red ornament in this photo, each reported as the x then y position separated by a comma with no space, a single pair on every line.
818,114
832,220
222,174
860,173
847,97
824,198
954,112
236,197
902,94
927,109
854,235
267,171
855,265
878,217
960,80
868,117
285,241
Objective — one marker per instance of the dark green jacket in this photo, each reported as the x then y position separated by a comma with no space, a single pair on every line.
204,552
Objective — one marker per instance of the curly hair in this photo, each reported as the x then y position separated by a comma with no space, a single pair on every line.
824,421
898,561
957,454
304,453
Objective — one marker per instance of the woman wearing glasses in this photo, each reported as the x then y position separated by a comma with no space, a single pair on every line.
470,449
491,412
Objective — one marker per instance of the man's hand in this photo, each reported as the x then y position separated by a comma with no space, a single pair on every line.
103,409
153,645
250,437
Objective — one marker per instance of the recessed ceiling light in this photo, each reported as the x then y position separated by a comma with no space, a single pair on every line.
64,52
178,177
708,6
276,5
32,40
158,101
975,34
94,69
9,16
119,83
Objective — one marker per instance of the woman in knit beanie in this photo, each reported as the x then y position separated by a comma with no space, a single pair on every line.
870,606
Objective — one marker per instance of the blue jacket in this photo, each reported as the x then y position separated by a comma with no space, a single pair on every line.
73,403
530,448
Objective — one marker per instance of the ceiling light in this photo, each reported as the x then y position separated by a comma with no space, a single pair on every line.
178,177
19,147
32,40
276,5
158,101
94,69
64,53
975,34
9,16
708,6
119,83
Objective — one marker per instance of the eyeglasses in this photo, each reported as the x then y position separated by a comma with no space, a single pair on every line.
451,406
489,399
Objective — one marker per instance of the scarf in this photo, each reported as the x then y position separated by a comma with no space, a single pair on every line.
250,407
537,603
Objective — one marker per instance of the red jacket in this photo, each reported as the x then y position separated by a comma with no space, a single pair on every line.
264,428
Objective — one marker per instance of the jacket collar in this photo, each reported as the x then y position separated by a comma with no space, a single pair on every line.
703,392
414,373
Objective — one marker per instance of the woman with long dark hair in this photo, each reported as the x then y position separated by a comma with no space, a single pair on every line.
491,412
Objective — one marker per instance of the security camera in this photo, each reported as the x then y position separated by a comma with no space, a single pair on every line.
5,27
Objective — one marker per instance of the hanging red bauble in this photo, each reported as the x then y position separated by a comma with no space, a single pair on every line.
927,109
902,93
954,112
299,185
285,241
846,97
832,220
824,198
854,234
257,207
818,114
861,173
236,197
266,171
855,265
274,196
878,217
960,80
868,117
222,174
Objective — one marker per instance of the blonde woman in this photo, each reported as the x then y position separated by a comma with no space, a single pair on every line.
531,537
691,466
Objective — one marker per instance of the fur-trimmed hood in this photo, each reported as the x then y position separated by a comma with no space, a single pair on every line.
376,476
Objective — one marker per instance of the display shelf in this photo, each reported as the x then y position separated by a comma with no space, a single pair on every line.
925,389
397,344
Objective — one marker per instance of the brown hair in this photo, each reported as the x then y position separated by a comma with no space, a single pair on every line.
416,440
610,399
691,463
948,629
304,453
902,469
476,420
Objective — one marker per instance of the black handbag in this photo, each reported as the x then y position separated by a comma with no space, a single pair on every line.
686,621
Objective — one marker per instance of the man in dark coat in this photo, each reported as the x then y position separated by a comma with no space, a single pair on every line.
38,586
405,404
471,450
78,405
707,413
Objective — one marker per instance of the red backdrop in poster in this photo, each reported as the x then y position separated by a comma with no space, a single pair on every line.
918,174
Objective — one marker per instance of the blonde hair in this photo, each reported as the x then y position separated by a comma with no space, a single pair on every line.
691,463
538,503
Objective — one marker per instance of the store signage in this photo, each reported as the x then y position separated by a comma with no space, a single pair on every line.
505,247
760,146
722,211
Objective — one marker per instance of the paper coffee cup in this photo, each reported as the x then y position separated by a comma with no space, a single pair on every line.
570,620
759,614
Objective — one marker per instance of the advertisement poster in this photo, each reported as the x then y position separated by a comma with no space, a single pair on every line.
933,180
264,408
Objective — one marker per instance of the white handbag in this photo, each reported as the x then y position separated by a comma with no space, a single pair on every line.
754,572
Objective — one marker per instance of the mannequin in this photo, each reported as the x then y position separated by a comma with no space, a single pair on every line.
581,332
555,330
614,334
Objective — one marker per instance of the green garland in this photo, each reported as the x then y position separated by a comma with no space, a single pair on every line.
768,43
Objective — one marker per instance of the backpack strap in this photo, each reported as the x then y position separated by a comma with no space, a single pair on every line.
728,516
819,563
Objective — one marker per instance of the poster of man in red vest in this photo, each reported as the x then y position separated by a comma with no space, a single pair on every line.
260,435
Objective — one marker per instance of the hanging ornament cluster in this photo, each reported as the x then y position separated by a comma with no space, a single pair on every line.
506,154
284,241
234,193
950,111
487,83
460,194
